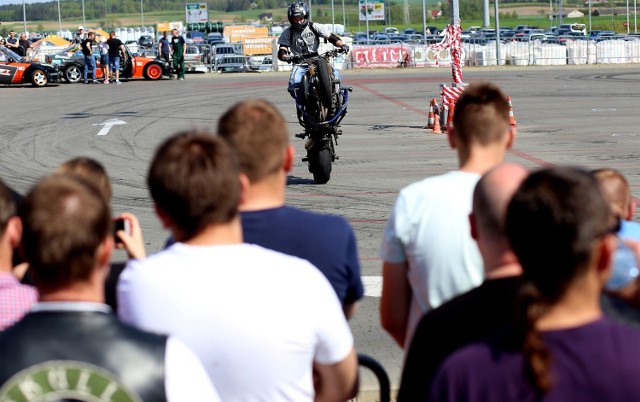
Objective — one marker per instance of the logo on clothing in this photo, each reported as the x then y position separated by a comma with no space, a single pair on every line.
65,380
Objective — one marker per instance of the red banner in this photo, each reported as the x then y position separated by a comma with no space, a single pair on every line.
380,56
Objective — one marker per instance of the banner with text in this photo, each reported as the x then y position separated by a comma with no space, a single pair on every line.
372,10
196,12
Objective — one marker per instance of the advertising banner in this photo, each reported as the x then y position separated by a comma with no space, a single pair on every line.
372,10
196,12
237,33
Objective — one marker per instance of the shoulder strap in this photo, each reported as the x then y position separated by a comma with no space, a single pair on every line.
316,33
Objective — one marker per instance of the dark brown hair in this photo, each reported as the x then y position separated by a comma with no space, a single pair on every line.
552,223
65,220
258,133
481,115
91,170
194,179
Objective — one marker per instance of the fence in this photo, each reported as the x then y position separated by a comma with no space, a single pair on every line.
557,51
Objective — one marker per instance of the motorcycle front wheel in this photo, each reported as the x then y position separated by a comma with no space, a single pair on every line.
324,83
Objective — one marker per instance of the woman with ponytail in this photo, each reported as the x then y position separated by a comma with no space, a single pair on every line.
561,348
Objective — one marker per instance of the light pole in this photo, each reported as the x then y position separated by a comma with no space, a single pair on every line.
59,19
24,15
106,14
84,22
344,17
590,18
628,24
496,13
424,21
142,12
333,18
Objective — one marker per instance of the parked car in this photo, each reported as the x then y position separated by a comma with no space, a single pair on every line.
409,31
145,41
15,69
233,64
70,63
214,38
223,50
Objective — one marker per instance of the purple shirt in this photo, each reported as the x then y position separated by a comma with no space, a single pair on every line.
596,362
15,299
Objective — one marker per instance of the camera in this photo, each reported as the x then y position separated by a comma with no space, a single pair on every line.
120,224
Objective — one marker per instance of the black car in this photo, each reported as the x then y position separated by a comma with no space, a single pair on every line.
15,69
145,41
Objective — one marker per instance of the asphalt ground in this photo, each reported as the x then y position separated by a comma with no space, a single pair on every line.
570,115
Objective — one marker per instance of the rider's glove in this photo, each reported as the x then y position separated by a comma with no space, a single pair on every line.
345,48
295,59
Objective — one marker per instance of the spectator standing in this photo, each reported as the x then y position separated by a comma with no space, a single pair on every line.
89,60
165,47
428,253
258,133
115,48
68,242
15,299
266,325
178,50
477,314
621,298
24,45
561,347
12,41
80,35
104,58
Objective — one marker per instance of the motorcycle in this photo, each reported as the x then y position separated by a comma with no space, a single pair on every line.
321,104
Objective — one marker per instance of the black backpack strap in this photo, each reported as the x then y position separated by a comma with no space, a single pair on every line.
316,33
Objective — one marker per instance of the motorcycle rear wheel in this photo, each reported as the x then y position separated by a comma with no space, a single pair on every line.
320,163
324,83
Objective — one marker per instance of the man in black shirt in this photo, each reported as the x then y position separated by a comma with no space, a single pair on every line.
23,45
12,41
89,60
115,47
482,311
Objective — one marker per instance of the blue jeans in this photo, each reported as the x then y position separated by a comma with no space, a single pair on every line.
115,63
299,71
89,63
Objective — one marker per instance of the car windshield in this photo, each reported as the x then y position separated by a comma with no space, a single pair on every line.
9,53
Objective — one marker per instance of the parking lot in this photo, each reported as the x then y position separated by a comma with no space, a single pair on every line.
578,115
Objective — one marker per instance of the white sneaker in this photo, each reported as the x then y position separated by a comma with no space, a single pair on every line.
118,82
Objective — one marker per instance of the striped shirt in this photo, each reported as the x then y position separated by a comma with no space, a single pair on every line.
15,299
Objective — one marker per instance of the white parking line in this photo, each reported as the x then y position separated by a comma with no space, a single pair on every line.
372,286
108,124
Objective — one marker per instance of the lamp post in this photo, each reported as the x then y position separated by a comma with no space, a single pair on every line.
628,24
59,19
24,15
590,18
84,22
333,18
142,12
344,17
496,13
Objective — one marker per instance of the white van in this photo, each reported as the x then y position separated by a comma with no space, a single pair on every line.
581,28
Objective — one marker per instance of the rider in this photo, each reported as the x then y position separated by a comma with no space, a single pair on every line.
301,37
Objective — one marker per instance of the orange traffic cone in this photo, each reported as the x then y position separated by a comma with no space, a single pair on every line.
452,108
512,119
430,116
436,123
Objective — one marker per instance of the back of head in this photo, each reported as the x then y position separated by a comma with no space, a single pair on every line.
65,220
491,197
7,207
615,189
194,179
481,115
552,223
90,170
258,133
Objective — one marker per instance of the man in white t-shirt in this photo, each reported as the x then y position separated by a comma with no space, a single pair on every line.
428,253
265,325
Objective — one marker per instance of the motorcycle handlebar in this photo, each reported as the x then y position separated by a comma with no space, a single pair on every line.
305,57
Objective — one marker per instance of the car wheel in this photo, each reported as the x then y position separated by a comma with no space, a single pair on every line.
39,78
72,74
153,71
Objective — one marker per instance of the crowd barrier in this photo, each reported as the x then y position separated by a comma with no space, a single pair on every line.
573,52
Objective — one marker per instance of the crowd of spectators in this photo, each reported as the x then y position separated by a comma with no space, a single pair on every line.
500,283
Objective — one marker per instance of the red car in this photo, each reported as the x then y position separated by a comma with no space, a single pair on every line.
14,69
